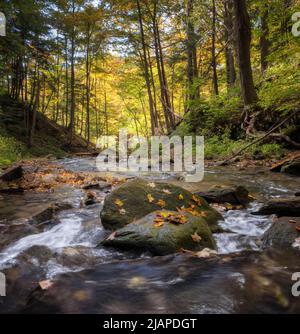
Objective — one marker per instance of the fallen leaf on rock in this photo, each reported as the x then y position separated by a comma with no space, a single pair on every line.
112,236
151,199
45,285
161,203
158,223
196,237
119,203
123,212
81,295
197,200
292,222
206,253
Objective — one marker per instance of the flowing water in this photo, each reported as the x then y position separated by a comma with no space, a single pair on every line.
103,281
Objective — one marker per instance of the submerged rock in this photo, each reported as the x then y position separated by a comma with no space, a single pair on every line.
283,234
281,207
12,174
162,236
243,283
11,232
236,195
138,198
38,255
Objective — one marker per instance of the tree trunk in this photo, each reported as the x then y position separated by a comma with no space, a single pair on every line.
213,50
154,123
229,42
243,41
264,42
72,111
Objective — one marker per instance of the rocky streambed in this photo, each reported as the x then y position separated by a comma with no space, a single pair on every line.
158,247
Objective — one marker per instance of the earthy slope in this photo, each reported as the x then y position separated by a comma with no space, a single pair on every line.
50,138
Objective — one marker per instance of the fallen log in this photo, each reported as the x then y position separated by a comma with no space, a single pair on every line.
258,140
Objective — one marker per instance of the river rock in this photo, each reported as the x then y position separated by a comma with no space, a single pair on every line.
12,174
292,168
235,195
283,234
76,257
137,198
11,232
36,255
164,239
281,207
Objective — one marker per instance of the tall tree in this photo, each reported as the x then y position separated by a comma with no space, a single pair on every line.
243,42
229,44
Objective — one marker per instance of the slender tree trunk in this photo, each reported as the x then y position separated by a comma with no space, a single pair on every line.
73,106
264,42
243,37
88,85
229,42
154,123
66,83
34,109
213,50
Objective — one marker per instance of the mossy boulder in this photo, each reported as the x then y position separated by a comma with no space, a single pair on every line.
138,198
163,236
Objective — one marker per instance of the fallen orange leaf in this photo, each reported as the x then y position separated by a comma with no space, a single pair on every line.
151,199
161,203
119,203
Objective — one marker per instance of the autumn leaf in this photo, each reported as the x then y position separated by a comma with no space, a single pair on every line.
292,222
112,236
197,200
158,223
196,237
181,197
161,203
151,199
164,214
119,203
298,229
123,212
166,191
152,185
45,285
203,214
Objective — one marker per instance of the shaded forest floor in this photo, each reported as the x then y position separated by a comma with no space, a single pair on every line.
50,138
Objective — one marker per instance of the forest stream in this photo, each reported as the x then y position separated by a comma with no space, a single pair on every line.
88,278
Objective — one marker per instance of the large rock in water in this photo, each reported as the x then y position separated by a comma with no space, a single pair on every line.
162,233
236,195
138,198
281,207
283,234
292,168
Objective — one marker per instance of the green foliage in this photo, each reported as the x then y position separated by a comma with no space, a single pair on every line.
11,150
216,116
217,148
